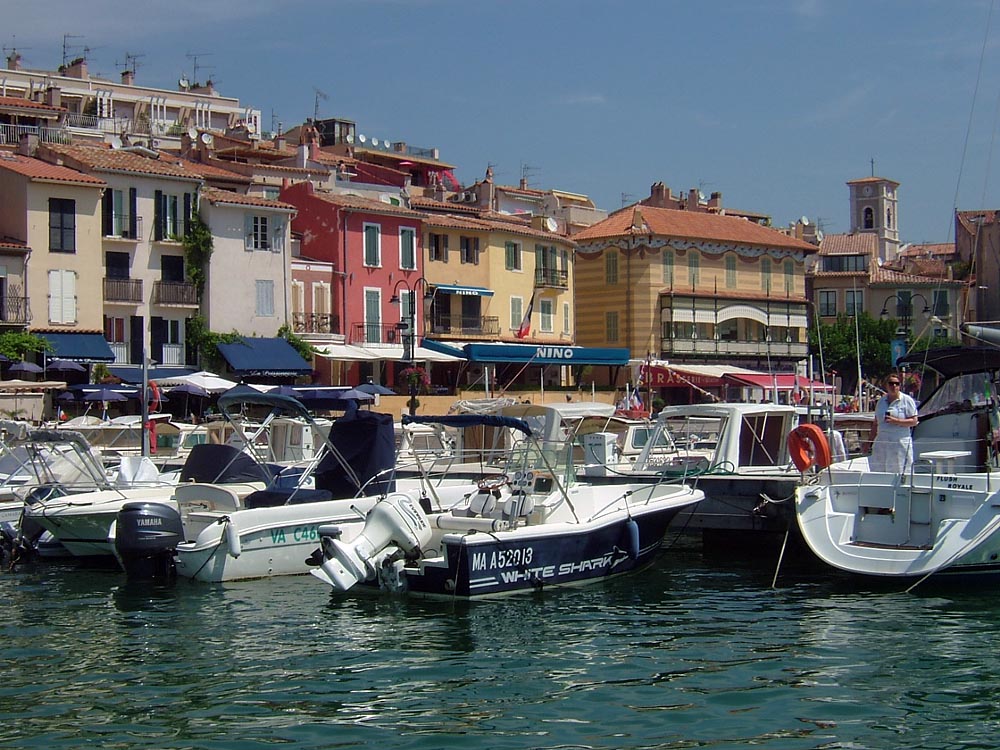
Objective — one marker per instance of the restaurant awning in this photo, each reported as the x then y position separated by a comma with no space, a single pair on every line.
79,347
133,373
703,376
537,354
345,352
469,291
784,381
271,357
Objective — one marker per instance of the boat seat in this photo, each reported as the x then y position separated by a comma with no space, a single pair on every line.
283,496
201,497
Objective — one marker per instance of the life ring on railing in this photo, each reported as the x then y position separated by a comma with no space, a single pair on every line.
154,399
808,448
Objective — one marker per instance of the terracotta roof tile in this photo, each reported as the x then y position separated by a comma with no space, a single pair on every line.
667,222
214,195
927,250
432,204
358,203
7,244
883,275
101,159
857,243
211,171
22,103
36,169
863,180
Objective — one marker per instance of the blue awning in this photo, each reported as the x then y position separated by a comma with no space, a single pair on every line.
79,347
133,373
540,354
471,291
271,357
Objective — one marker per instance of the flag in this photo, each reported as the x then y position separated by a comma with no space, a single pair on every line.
525,328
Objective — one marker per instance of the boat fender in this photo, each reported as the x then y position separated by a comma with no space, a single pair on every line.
233,538
808,448
632,538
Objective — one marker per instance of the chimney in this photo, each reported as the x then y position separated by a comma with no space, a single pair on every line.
128,77
14,61
524,183
657,195
28,144
693,198
715,201
77,69
279,142
53,96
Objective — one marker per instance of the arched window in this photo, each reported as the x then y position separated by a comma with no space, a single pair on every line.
888,218
869,218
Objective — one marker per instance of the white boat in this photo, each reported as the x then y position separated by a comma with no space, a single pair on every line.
212,532
943,517
533,526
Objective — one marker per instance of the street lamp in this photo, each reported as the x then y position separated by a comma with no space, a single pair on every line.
410,330
904,310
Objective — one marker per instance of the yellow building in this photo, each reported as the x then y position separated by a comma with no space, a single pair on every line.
694,287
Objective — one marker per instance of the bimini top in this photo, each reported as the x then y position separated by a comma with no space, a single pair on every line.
955,360
471,420
244,394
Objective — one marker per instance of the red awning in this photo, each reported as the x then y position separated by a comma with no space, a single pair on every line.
666,376
784,381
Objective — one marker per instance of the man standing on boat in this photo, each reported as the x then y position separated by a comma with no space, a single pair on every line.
895,416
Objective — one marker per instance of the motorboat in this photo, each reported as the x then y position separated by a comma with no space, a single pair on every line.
941,518
212,532
535,525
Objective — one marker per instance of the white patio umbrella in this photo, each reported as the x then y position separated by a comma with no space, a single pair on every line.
206,380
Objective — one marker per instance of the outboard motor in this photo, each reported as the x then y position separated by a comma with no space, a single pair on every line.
395,524
146,539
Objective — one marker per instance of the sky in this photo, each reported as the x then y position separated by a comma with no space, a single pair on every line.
774,103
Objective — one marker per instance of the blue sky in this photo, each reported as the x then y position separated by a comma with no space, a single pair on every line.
775,103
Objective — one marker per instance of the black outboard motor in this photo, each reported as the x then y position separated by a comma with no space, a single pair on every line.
146,539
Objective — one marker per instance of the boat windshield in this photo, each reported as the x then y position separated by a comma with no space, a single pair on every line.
960,392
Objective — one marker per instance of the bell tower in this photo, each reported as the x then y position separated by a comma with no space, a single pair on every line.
874,208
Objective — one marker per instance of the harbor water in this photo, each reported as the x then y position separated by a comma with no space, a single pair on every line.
696,651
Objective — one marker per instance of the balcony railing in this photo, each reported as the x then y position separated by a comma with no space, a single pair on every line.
174,293
121,227
551,277
315,323
467,326
365,334
123,290
10,135
14,310
173,354
120,350
735,348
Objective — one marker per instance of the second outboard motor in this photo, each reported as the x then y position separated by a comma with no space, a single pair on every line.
146,539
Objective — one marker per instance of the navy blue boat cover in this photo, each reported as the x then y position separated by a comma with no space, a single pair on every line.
470,420
367,440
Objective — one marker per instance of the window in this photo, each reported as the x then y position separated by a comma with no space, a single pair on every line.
172,268
845,263
265,298
611,327
566,318
373,315
547,313
694,268
321,298
298,301
258,233
437,247
854,301
868,222
272,193
62,225
119,219
62,296
373,245
765,275
408,248
470,249
940,303
512,256
668,267
116,265
611,267
789,276
114,330
516,312
827,303
730,271
171,215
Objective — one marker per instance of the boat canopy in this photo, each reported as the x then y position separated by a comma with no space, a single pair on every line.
470,420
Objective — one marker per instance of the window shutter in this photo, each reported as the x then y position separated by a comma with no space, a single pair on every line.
159,215
107,213
55,296
133,213
248,232
278,236
187,214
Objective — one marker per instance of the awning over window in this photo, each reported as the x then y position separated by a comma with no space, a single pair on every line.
472,291
534,354
79,347
271,357
785,381
345,352
703,376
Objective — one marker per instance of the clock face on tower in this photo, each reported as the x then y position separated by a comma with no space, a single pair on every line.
867,190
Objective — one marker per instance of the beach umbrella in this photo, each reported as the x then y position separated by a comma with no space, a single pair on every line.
66,397
65,365
23,368
376,389
356,394
189,390
287,390
105,394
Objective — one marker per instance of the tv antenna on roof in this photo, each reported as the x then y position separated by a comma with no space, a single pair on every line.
193,57
627,198
527,171
319,95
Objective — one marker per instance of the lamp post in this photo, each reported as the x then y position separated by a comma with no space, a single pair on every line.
904,314
410,330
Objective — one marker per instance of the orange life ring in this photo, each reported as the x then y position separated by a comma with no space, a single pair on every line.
808,447
154,401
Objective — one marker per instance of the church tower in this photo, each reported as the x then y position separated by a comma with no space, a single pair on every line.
874,208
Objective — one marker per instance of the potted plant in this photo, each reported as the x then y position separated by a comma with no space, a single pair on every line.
417,380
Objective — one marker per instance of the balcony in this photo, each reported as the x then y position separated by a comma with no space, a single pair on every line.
121,228
10,135
467,326
173,354
550,277
14,311
711,347
123,290
315,323
366,334
175,293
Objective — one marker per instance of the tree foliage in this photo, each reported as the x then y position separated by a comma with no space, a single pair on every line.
198,247
206,342
303,347
17,344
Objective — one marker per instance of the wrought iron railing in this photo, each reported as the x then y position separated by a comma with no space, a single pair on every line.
315,323
551,277
10,135
14,310
466,325
376,333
